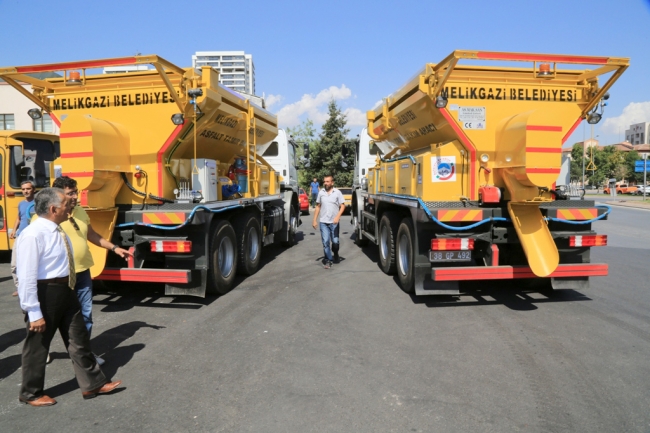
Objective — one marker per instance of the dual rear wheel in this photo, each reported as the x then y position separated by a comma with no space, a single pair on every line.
234,248
396,248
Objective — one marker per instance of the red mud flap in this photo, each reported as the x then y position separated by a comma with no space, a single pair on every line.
167,276
465,273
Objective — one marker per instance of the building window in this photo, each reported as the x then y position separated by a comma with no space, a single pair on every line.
44,124
7,121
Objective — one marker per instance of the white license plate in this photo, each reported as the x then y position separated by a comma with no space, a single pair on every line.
450,256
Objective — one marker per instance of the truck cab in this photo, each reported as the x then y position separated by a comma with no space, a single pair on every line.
365,157
24,155
281,155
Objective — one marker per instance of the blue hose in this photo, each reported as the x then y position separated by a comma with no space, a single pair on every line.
609,209
440,223
189,218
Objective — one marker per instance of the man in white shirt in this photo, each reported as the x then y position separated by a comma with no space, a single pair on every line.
45,281
330,204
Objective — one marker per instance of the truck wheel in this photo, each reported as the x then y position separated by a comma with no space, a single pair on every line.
293,228
358,237
247,230
387,231
405,255
223,259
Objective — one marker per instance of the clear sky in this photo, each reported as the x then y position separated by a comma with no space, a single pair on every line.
357,52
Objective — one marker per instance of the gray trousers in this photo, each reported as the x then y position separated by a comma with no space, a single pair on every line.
60,308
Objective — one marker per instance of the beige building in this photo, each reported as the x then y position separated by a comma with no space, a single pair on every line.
13,111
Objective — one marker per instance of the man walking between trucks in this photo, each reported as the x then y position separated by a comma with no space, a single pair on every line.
22,221
46,280
314,191
330,204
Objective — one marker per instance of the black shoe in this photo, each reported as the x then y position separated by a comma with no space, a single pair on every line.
327,264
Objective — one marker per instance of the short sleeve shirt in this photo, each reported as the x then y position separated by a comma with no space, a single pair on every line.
23,212
329,204
314,187
83,258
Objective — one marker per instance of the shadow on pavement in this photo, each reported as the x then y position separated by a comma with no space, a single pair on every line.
106,345
510,294
11,363
12,338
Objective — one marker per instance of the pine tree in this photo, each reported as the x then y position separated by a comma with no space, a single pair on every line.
326,156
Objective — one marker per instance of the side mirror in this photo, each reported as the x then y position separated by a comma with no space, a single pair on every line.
344,152
364,183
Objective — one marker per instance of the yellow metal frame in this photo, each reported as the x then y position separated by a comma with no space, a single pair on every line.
435,76
13,74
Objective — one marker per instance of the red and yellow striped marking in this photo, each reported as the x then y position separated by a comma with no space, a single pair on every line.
163,218
460,215
577,214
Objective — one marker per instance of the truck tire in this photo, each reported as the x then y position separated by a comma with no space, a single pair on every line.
387,232
247,230
358,237
293,228
223,259
405,255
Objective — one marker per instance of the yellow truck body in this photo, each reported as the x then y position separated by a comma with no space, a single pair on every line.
457,133
134,143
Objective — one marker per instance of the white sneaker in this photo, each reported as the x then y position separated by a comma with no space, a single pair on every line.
99,360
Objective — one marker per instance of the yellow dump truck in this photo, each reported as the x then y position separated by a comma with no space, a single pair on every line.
465,189
167,164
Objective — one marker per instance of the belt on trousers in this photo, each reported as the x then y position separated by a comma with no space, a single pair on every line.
59,280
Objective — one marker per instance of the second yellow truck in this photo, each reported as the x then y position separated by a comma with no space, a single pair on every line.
465,189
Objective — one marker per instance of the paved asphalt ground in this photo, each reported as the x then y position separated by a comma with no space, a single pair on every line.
296,348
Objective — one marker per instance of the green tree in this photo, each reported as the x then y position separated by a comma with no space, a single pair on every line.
326,157
304,133
576,162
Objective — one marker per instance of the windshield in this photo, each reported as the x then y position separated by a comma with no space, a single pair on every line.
345,190
35,166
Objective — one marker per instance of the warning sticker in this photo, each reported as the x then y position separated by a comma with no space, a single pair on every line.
443,168
472,117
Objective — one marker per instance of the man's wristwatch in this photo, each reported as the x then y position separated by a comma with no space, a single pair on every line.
114,248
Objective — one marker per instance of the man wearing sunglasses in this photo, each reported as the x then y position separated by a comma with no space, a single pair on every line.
22,221
80,232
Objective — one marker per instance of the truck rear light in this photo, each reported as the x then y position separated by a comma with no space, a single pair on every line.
452,244
171,246
588,241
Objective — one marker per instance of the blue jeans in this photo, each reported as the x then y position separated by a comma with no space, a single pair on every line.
84,289
329,232
314,196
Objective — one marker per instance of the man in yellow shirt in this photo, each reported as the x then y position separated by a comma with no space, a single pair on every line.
80,232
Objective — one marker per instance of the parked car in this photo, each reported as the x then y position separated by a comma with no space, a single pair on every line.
640,189
304,202
347,196
621,188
